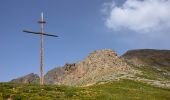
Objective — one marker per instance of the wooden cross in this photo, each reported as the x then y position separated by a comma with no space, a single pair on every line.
41,33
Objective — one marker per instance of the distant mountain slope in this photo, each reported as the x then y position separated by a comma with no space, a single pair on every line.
30,78
155,64
149,57
99,66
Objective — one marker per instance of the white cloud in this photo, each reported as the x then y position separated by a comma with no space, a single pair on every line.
142,16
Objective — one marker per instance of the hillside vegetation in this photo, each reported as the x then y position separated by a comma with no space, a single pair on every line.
154,64
118,90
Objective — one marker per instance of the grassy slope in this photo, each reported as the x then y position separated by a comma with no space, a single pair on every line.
153,60
124,89
151,72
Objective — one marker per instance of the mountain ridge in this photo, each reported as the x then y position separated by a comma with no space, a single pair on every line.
105,65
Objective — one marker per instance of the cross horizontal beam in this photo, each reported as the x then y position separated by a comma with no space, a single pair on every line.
27,31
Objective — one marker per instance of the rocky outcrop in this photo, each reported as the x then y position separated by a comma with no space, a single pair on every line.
30,78
99,66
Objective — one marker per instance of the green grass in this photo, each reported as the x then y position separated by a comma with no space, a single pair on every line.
152,73
116,90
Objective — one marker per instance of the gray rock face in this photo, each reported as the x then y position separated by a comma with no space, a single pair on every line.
58,73
30,78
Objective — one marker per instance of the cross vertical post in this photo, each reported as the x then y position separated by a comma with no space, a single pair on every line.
42,22
42,34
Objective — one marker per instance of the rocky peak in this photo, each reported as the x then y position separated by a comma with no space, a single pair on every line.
100,65
102,53
100,58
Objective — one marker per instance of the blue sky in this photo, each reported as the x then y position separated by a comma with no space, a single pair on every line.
82,25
